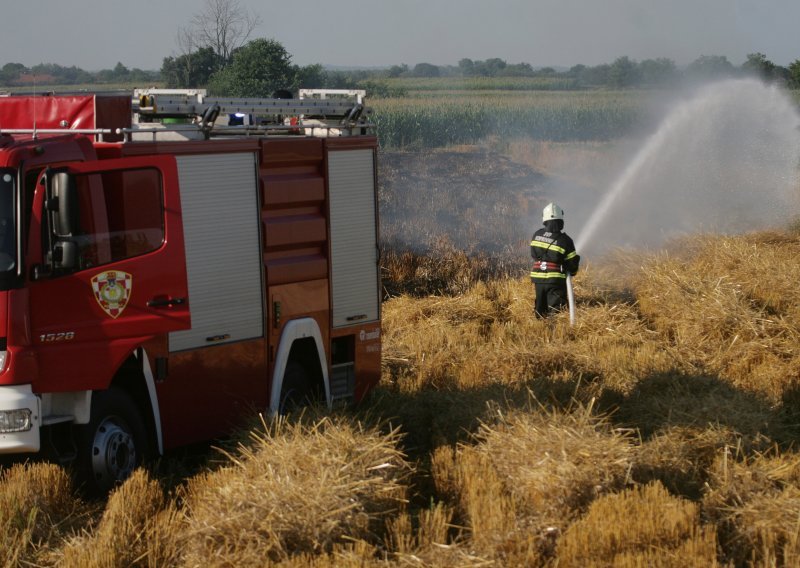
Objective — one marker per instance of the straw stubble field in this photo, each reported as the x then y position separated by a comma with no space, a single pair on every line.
660,430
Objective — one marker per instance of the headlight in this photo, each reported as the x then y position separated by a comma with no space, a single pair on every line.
15,421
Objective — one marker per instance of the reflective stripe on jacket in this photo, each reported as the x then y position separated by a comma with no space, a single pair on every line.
554,256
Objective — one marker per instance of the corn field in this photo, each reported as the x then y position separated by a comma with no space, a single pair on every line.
430,121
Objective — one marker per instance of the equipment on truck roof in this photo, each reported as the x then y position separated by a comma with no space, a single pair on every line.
175,114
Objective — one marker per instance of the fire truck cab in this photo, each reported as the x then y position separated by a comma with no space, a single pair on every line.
166,271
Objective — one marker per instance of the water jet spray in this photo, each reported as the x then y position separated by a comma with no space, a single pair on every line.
724,160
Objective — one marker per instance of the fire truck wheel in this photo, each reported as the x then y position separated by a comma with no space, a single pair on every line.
114,442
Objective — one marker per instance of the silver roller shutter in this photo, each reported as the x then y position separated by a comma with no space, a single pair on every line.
354,255
219,201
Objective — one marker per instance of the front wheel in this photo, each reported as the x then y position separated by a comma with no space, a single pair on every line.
114,442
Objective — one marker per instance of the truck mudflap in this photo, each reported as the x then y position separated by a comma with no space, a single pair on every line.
20,419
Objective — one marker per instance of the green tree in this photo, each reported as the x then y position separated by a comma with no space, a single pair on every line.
190,70
11,72
655,72
311,76
710,67
258,69
425,70
623,73
576,70
14,68
491,67
120,72
794,74
142,77
105,76
72,75
597,76
397,70
523,70
758,64
467,67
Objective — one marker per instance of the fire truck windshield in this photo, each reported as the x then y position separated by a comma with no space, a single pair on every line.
7,242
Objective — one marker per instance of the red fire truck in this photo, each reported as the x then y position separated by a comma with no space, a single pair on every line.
171,262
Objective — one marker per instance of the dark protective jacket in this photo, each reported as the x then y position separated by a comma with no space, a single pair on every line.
554,256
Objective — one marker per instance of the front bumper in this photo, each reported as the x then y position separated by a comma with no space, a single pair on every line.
17,401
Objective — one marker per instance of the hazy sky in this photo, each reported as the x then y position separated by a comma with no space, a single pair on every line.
96,34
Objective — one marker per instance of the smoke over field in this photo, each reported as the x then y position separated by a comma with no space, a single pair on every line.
723,158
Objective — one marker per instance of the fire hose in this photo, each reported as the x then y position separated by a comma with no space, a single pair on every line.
570,300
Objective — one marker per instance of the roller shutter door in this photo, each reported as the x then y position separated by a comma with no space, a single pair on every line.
354,254
219,201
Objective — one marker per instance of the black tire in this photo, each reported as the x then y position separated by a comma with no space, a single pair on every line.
114,442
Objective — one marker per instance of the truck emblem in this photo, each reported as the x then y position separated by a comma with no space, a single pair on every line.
112,289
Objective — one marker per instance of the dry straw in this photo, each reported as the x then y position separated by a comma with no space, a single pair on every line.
641,526
295,488
528,475
137,528
755,501
38,509
671,408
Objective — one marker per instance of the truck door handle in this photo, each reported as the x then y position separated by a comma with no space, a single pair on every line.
165,302
215,338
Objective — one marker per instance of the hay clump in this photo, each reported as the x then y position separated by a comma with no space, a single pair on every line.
293,489
755,501
641,526
487,336
529,474
680,457
38,509
430,539
138,527
729,307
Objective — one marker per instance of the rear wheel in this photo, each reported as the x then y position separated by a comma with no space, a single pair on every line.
114,442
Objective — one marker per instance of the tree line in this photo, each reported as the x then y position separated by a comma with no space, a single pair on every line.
18,75
262,66
622,73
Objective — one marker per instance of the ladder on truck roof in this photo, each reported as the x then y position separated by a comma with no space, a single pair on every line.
359,94
216,115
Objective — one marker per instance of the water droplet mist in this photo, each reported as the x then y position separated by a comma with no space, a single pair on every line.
724,160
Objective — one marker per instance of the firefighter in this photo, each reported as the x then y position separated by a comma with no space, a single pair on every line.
554,257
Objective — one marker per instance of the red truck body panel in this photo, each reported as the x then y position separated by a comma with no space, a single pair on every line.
66,112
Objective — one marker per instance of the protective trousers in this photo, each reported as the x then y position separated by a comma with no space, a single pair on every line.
550,297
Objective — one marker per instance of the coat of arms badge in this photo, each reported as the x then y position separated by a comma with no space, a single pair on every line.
112,289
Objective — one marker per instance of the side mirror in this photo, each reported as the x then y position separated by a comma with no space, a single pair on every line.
63,208
65,195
